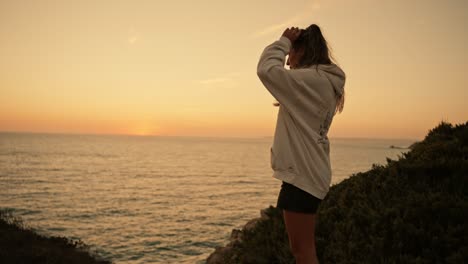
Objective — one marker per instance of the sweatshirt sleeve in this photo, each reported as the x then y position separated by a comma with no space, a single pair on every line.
279,81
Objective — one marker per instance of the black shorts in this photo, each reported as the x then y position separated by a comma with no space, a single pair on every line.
292,198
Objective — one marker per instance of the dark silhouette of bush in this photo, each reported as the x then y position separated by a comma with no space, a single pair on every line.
411,210
20,244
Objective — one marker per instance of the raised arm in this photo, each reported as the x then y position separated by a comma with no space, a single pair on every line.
279,81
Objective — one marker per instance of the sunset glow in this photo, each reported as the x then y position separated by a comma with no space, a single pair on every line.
188,68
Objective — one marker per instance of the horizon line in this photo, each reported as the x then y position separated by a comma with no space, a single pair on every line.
189,136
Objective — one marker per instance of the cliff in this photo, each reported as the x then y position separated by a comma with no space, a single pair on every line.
410,210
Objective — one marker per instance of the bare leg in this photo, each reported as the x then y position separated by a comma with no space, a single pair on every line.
301,232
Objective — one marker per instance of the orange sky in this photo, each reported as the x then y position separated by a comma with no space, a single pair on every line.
189,67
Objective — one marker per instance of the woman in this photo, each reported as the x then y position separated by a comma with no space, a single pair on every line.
309,94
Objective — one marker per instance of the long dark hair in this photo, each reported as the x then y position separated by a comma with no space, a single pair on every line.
316,51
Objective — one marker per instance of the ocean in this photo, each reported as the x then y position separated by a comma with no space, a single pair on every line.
151,199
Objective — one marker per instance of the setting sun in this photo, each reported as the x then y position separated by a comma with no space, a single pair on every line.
152,131
96,67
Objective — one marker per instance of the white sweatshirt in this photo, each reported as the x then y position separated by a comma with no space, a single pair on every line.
300,154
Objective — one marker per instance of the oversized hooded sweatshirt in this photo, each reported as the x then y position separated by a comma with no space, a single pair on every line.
300,153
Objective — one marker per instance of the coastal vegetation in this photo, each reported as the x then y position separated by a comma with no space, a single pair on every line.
21,244
410,210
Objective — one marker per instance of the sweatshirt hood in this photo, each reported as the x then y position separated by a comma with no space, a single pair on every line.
335,75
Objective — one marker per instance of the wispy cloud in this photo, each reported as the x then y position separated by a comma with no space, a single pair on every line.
274,28
214,80
316,5
226,78
132,39
132,36
300,16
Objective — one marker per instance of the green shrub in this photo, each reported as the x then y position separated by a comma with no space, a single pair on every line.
412,210
20,244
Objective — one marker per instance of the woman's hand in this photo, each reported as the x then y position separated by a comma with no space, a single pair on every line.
292,33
